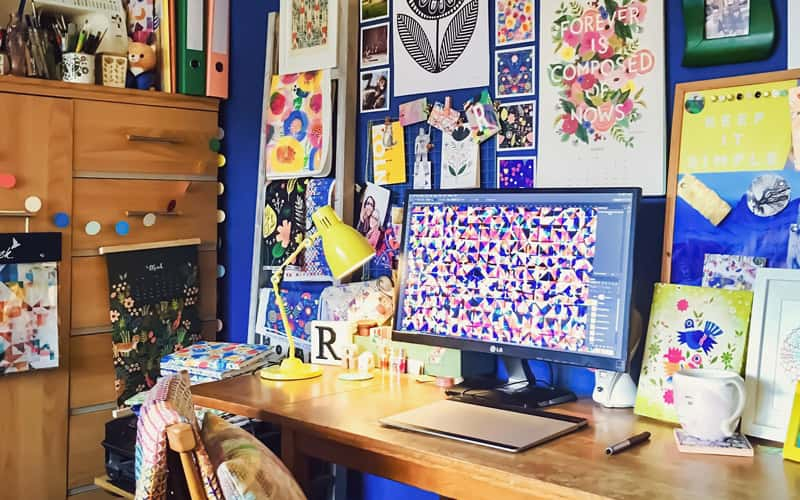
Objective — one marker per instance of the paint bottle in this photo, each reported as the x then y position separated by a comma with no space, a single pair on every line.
403,361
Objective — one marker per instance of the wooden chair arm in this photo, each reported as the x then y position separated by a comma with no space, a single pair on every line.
181,440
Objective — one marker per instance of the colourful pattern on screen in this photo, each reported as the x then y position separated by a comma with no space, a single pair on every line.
510,274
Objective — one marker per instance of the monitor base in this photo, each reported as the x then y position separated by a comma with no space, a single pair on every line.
518,392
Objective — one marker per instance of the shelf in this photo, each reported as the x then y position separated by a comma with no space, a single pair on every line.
54,88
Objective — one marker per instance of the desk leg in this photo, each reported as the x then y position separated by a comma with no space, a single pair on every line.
297,463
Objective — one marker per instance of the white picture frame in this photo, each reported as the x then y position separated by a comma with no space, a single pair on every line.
383,59
374,18
770,388
291,60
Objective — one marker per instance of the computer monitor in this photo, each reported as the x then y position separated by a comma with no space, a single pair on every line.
541,274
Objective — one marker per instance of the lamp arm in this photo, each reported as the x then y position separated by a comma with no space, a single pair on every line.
276,279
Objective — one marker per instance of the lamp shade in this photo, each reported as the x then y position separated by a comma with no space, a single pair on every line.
345,248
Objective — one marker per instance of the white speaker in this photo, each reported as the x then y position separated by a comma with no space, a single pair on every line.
614,389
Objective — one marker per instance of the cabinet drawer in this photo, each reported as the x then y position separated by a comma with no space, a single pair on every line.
86,455
91,380
125,138
90,306
107,201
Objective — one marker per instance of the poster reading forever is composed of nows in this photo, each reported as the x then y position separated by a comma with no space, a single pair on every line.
440,45
602,95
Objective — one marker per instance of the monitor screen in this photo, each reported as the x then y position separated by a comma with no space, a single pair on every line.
539,274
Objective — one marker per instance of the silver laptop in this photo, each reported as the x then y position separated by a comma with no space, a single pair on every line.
471,423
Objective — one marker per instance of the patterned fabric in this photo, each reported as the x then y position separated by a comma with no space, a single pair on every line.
218,356
284,221
168,402
153,301
247,469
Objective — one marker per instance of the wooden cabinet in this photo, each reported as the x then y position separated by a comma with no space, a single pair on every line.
125,138
94,153
36,147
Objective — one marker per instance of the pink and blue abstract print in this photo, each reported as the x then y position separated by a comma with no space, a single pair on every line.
516,275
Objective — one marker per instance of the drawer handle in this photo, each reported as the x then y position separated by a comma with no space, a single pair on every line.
161,213
153,139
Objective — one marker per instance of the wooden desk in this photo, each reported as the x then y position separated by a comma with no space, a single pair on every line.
337,422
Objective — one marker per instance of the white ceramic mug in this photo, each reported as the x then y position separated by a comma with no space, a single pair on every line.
78,67
709,402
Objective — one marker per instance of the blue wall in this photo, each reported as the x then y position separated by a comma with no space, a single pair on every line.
241,116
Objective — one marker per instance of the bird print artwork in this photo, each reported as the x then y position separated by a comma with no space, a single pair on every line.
695,338
690,327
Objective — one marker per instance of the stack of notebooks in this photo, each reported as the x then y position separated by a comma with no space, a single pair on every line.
212,361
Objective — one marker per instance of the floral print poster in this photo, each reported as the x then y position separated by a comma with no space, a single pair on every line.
514,72
517,126
297,126
690,327
153,311
601,89
515,21
309,23
284,223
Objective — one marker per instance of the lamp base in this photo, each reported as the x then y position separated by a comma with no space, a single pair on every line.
291,369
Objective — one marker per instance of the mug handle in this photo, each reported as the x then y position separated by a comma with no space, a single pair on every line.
729,425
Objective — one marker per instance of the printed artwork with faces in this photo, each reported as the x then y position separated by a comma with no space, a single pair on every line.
516,275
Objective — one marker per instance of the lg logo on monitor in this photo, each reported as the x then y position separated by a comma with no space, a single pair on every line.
495,349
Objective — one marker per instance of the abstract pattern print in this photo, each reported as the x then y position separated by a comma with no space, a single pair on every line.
517,275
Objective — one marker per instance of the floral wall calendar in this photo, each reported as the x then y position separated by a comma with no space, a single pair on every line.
153,300
690,327
601,88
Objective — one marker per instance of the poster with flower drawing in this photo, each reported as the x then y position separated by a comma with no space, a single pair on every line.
308,35
153,299
296,130
515,21
601,88
284,222
517,126
515,72
690,327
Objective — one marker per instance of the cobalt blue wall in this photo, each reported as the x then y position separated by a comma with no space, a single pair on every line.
241,116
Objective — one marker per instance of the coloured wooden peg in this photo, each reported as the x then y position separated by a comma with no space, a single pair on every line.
214,145
61,220
33,204
93,228
122,228
7,181
149,220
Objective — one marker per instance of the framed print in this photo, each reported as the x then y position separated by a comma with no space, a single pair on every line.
372,10
516,172
375,90
515,21
308,35
517,126
515,72
601,94
774,328
727,31
375,45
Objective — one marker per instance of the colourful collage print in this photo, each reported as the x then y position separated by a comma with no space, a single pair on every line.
515,275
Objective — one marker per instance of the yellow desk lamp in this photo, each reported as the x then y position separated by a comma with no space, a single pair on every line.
345,251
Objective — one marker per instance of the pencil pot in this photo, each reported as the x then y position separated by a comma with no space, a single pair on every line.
113,70
78,68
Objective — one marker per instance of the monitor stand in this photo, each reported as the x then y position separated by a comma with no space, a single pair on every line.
519,392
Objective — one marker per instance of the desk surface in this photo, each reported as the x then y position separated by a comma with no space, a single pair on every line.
338,421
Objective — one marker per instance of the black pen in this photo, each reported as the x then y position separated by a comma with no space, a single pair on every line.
628,443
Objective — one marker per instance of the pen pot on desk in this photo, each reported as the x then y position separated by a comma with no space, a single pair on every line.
78,67
113,70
